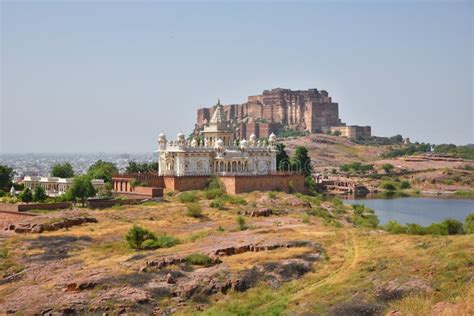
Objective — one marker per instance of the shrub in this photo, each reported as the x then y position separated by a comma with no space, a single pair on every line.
389,186
215,183
198,259
141,238
2,193
137,235
272,195
241,222
364,216
437,229
395,227
26,195
162,241
469,224
236,200
188,197
193,210
217,203
211,194
39,194
405,185
3,253
291,187
454,226
415,229
306,218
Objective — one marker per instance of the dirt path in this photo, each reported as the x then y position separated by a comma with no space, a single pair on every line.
340,274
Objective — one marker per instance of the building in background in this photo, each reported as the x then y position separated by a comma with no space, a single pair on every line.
240,165
352,131
55,186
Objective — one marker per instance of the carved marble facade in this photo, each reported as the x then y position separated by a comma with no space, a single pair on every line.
216,152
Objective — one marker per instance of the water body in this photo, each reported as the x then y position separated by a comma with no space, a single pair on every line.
423,211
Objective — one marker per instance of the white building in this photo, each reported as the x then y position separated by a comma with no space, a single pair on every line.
55,186
216,152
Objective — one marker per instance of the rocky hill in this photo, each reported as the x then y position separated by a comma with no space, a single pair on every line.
332,151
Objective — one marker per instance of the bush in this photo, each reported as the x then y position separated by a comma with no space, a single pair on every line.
194,210
405,185
141,238
198,259
188,197
469,224
437,229
39,194
217,203
211,194
453,226
389,186
272,195
26,195
364,216
236,200
137,235
306,218
215,183
291,187
241,222
395,227
163,241
415,229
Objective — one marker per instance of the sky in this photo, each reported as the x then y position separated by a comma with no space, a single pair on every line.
109,76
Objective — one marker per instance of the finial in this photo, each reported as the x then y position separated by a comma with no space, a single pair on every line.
218,101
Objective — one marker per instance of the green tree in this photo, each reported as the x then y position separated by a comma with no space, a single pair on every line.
388,167
301,161
26,195
6,176
39,194
62,170
81,189
102,170
135,167
282,158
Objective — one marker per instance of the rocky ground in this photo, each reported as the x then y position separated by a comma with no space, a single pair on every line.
282,262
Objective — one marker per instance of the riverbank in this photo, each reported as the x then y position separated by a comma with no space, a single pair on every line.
419,210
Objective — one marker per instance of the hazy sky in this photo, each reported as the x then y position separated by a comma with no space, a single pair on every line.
110,76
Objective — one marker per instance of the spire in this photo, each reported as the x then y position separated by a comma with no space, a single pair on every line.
218,101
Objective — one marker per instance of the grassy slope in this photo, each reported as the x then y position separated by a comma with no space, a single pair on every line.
358,260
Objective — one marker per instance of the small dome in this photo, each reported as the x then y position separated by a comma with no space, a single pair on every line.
219,143
162,137
194,142
252,137
243,143
180,135
272,137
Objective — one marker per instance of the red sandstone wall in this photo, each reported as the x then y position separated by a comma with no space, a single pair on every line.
185,183
237,185
148,191
8,207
